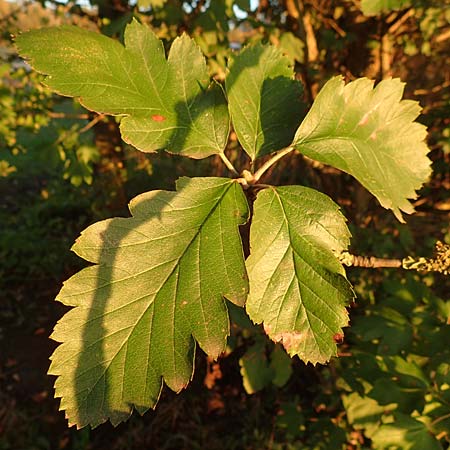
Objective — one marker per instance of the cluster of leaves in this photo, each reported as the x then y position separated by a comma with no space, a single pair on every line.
160,277
393,390
396,390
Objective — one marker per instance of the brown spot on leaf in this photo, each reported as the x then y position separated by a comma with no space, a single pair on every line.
158,118
338,338
289,339
364,120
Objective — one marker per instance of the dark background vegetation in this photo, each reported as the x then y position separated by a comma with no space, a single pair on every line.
63,168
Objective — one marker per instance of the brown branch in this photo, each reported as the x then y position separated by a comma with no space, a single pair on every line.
57,115
92,123
399,22
369,262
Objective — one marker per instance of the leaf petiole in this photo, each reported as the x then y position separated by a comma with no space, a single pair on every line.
260,172
228,163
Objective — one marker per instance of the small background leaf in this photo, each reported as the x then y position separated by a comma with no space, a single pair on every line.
405,433
373,7
261,368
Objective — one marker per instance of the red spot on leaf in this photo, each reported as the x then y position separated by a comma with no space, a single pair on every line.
338,338
158,118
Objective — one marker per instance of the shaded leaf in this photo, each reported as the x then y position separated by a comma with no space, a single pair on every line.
159,281
167,104
258,371
259,85
255,370
297,285
370,134
281,365
405,433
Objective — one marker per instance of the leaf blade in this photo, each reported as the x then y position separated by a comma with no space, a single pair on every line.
259,83
295,277
161,277
370,134
164,102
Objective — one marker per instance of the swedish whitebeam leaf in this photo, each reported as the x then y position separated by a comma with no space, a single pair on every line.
158,285
166,104
369,133
264,99
298,288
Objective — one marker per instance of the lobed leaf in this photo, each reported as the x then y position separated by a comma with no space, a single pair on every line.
158,283
298,289
166,104
259,86
370,134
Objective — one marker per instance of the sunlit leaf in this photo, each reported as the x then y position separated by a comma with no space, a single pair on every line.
298,289
166,104
373,7
405,433
370,134
158,283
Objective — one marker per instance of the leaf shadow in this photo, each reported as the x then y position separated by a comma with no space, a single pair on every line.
95,396
278,125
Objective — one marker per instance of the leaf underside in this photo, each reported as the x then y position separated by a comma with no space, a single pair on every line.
166,104
370,134
264,99
159,283
298,288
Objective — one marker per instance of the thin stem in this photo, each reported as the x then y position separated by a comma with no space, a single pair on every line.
260,172
92,123
370,262
227,162
439,419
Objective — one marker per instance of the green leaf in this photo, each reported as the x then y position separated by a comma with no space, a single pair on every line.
405,433
159,283
297,285
373,7
259,85
255,370
167,104
292,46
364,412
281,365
370,134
